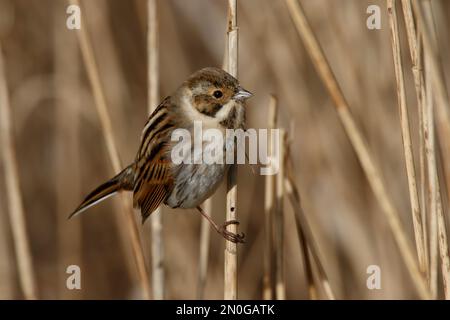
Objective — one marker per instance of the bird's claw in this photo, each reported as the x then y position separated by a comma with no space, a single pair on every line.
230,236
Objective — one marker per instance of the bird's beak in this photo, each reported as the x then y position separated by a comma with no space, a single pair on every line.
242,94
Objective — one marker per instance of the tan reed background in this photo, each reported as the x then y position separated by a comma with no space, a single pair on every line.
61,153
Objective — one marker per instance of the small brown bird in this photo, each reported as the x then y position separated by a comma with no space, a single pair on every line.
215,99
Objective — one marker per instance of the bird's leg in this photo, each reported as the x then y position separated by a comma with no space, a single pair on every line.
230,236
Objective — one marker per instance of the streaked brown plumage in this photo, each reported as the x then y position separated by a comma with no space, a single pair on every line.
211,96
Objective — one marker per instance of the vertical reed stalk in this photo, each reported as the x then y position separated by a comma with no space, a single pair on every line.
14,195
360,145
443,245
105,120
435,197
434,75
432,178
153,100
205,233
406,135
230,272
426,29
280,287
441,233
308,265
415,50
269,201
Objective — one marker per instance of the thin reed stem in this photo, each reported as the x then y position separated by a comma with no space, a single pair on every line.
427,32
434,75
415,49
406,135
438,234
360,145
308,265
15,204
230,263
269,204
280,286
105,120
432,178
205,235
443,246
153,100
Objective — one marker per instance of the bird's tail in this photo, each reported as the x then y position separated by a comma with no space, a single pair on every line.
122,181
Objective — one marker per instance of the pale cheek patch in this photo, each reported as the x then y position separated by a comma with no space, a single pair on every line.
225,111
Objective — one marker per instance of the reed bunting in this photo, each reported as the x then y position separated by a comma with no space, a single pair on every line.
211,96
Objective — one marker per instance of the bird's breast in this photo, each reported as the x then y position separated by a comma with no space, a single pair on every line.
195,183
203,168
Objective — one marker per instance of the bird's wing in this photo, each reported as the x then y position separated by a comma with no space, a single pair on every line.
153,178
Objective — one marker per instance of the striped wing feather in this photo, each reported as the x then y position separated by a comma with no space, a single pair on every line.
153,178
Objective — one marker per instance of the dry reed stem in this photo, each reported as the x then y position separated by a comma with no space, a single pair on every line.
438,235
205,234
230,263
435,75
432,179
373,175
442,236
307,264
269,201
441,233
15,205
153,101
105,120
426,30
406,135
415,50
304,229
443,246
101,29
280,287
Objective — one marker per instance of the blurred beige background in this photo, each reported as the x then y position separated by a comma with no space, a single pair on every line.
62,155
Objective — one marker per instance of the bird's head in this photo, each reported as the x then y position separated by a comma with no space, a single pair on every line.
210,89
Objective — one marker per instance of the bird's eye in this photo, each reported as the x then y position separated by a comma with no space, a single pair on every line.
217,94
